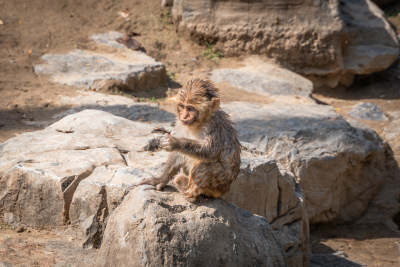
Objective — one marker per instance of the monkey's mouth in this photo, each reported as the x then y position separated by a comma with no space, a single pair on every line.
189,122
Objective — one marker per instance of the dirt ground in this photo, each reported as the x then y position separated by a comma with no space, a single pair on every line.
30,29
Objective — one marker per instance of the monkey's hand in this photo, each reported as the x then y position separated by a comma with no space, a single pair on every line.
169,143
159,183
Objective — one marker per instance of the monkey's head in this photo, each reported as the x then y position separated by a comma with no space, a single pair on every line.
198,100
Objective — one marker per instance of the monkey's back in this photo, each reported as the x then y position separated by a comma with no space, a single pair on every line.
227,141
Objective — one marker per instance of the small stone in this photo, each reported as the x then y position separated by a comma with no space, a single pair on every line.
20,229
368,111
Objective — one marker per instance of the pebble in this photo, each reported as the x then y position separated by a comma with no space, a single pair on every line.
368,111
20,229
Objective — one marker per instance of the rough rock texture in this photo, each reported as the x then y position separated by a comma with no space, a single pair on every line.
114,65
97,196
80,169
368,111
264,189
387,201
264,78
153,228
40,171
330,41
340,167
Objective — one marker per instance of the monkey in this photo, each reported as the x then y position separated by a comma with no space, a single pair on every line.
205,152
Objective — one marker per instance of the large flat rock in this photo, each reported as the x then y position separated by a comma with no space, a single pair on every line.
87,69
84,165
43,169
264,78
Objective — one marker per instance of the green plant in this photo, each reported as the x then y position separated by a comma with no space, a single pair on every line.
166,17
212,53
171,75
392,12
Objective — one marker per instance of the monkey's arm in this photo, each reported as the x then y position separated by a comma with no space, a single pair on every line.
172,167
204,149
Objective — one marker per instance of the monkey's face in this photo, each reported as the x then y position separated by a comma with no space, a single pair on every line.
188,114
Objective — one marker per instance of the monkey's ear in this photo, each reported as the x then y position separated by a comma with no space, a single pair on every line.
215,104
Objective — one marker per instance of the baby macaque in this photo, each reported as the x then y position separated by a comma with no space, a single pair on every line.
205,151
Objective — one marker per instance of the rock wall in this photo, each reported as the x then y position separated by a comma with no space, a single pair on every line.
329,41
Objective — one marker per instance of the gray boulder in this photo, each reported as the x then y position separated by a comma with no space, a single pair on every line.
113,65
340,167
329,41
151,228
97,196
266,190
40,171
79,170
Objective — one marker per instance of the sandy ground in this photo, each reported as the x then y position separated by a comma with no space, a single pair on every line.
29,29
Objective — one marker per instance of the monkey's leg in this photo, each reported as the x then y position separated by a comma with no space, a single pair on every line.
173,165
181,182
209,179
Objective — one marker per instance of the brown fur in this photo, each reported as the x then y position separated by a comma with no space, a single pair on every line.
206,150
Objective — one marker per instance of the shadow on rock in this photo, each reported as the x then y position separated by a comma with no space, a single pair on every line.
332,260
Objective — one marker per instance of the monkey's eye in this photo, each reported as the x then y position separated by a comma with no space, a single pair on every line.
191,108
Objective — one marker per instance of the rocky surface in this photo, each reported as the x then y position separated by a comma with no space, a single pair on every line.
153,228
340,167
40,171
329,41
368,111
385,208
260,188
84,165
112,64
117,105
264,78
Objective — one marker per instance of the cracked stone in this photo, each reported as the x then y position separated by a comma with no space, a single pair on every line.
124,68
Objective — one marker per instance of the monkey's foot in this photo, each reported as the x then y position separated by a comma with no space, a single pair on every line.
181,182
190,197
160,186
154,182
